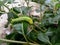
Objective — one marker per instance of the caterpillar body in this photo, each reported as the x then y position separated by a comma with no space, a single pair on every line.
24,18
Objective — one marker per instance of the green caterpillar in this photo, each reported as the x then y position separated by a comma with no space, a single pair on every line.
24,18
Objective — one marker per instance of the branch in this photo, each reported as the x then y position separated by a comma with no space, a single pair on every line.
12,41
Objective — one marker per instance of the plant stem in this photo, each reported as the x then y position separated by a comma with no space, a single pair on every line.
13,41
50,43
24,35
40,28
32,40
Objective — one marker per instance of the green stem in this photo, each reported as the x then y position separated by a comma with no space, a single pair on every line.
2,12
40,28
24,35
50,43
13,41
36,31
32,40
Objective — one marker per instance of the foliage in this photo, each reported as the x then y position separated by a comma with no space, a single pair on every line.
34,30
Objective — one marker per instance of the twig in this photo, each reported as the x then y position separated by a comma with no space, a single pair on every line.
13,41
40,28
24,35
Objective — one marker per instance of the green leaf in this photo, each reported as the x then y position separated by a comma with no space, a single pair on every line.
57,5
44,38
18,27
53,39
39,1
2,2
11,16
10,1
17,9
57,44
49,33
24,10
33,36
25,27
